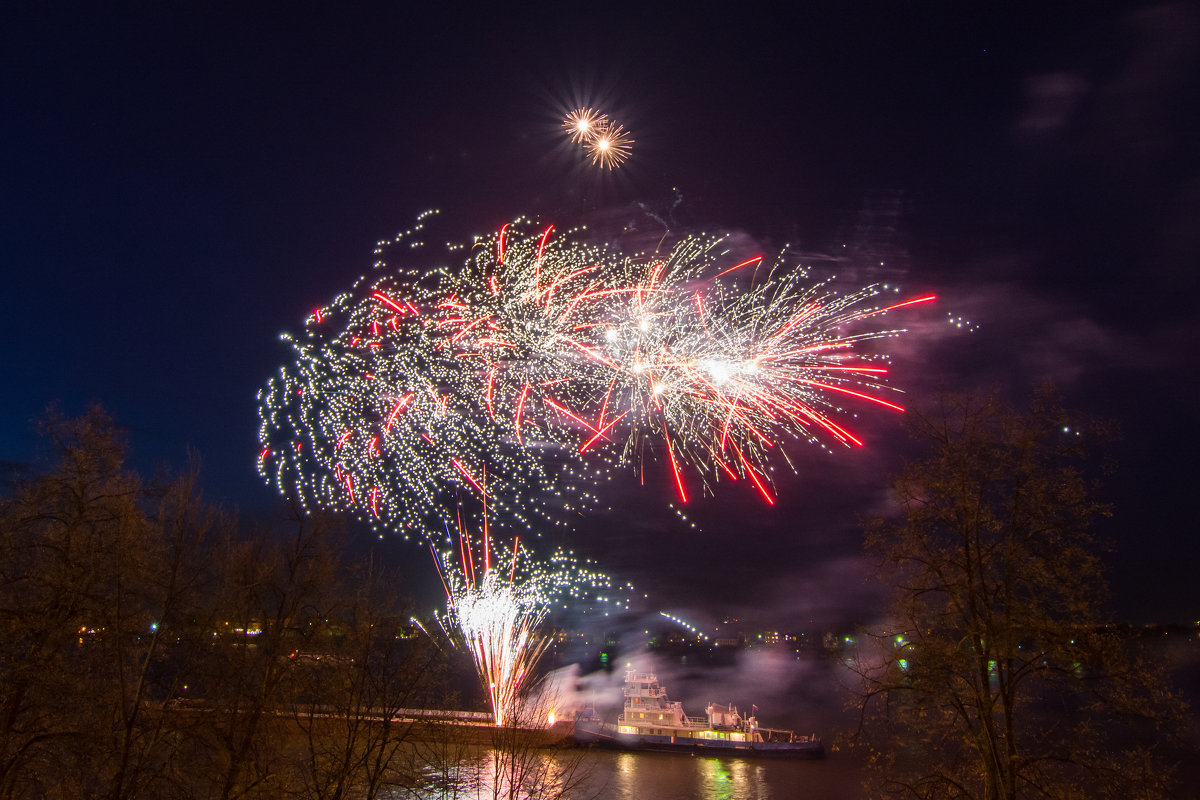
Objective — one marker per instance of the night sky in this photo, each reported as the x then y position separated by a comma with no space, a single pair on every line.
183,182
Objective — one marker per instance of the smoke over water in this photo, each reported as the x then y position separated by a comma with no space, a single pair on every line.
782,688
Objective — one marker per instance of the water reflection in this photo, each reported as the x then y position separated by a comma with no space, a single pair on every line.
579,774
633,776
524,774
716,779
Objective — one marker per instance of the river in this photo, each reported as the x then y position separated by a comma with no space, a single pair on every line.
614,775
671,776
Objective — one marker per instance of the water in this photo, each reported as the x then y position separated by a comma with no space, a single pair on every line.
614,775
670,776
791,693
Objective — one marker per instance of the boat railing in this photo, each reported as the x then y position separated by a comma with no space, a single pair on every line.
637,691
641,677
697,721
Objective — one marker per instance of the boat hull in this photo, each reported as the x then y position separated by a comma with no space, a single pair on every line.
601,734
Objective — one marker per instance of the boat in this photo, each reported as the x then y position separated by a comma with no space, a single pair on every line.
652,721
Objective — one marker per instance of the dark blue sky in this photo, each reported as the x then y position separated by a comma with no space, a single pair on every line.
182,182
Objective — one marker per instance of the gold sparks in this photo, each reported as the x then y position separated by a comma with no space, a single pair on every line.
605,141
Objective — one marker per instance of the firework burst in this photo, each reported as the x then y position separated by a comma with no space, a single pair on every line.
583,123
376,414
426,394
606,142
710,361
496,604
610,146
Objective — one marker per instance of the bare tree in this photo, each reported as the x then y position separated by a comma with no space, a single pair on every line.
98,577
353,700
261,621
148,646
998,677
523,758
60,534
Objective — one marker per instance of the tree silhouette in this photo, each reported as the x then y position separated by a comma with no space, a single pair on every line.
999,677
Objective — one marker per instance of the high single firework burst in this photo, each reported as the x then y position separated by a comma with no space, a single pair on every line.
610,146
497,601
583,123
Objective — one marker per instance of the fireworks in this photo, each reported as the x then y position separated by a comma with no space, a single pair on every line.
685,624
583,123
610,147
375,415
606,142
374,423
707,360
425,394
496,603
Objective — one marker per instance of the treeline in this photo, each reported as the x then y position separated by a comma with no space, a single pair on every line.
151,647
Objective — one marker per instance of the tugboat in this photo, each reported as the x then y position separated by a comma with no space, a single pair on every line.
651,721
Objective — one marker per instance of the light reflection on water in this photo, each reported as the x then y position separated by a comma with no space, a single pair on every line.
637,776
523,774
670,776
